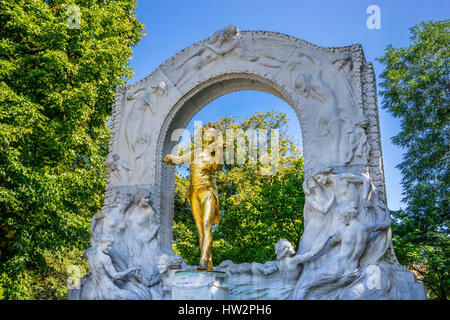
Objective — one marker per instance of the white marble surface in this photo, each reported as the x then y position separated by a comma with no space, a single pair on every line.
195,285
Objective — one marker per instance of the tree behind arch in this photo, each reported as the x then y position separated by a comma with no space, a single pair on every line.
256,210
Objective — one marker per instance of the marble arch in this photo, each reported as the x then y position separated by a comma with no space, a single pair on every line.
333,93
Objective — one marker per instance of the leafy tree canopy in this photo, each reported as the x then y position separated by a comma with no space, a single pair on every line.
57,84
416,89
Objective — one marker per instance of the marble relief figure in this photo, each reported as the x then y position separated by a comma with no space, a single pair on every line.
104,273
357,145
141,231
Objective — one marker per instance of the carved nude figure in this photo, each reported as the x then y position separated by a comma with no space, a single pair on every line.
117,166
104,273
327,124
142,229
343,267
353,236
318,197
346,187
219,44
110,220
137,139
357,143
198,60
286,265
227,40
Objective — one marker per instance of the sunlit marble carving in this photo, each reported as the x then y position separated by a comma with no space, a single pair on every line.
346,248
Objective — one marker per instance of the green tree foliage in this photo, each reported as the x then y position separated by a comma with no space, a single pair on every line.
57,84
416,89
427,255
256,210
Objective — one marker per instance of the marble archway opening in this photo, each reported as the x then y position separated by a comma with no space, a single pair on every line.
197,100
241,103
346,248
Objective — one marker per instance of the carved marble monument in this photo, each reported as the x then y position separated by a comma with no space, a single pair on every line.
346,248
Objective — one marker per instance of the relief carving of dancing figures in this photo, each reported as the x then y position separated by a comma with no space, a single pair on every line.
141,232
329,97
228,41
218,45
124,237
340,204
327,126
142,109
142,105
271,280
104,274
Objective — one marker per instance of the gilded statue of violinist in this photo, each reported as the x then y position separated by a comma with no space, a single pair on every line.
202,192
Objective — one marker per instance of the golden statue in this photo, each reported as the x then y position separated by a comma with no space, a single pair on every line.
202,192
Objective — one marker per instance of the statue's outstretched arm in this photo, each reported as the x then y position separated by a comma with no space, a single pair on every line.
154,279
318,206
177,160
111,271
315,250
266,268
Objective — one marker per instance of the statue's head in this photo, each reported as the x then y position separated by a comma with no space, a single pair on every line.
105,242
321,174
209,134
284,249
363,122
142,199
321,178
231,32
166,262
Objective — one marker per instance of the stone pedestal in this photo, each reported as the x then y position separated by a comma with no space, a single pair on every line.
199,285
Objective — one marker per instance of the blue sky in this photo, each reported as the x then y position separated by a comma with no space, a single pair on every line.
174,25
